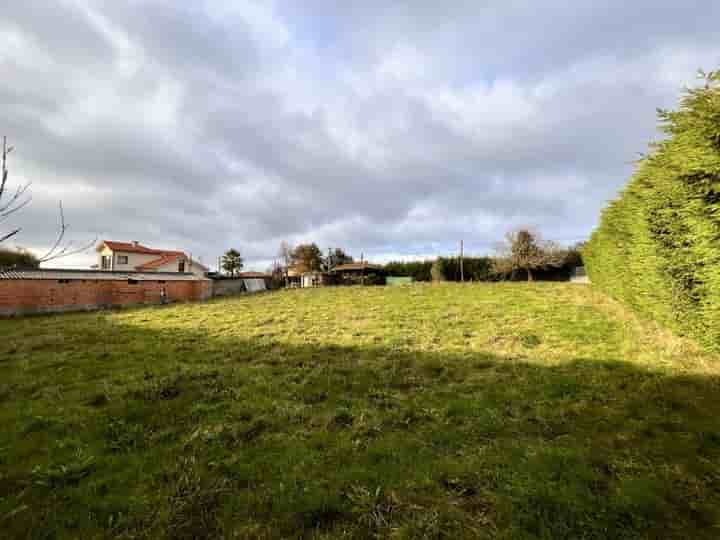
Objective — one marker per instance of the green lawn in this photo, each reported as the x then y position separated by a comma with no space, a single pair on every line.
452,411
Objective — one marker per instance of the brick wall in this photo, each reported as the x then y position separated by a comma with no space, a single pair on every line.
24,296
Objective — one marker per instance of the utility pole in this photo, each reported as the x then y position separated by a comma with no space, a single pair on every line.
462,272
362,269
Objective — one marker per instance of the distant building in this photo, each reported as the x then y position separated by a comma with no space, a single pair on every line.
134,257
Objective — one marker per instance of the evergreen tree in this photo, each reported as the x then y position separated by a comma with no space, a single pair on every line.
232,262
658,245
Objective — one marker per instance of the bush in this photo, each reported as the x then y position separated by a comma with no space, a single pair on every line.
419,270
17,258
475,269
658,245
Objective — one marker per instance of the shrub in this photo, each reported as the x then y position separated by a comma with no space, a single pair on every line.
658,245
17,258
419,270
474,269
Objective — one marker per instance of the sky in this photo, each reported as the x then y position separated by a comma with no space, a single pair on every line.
391,129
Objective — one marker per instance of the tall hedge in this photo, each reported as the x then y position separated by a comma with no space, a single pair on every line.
474,269
658,245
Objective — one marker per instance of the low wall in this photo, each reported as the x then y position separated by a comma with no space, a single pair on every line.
25,296
231,286
227,287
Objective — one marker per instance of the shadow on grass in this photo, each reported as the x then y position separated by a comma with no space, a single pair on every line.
181,435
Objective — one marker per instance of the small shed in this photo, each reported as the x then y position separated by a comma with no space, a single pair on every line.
313,279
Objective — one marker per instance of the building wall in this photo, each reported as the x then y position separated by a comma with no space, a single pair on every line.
25,296
134,259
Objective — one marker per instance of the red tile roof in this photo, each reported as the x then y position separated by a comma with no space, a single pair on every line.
157,263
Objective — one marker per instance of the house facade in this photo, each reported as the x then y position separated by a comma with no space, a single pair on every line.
134,257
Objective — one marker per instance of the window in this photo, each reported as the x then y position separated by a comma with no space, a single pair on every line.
132,281
181,266
122,259
105,262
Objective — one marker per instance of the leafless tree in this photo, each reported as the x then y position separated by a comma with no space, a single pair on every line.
60,247
10,201
13,201
525,250
285,254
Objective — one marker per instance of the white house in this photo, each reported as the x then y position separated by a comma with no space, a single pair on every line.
134,257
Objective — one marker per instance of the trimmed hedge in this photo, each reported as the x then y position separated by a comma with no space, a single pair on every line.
419,270
658,245
474,269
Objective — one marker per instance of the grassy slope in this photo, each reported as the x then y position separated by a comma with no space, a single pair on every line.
505,410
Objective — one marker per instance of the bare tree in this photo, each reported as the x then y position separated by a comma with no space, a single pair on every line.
285,254
60,248
18,199
10,201
525,250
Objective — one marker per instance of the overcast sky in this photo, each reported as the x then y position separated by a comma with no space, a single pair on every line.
388,128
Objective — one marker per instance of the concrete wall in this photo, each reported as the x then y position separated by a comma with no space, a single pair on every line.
25,296
226,287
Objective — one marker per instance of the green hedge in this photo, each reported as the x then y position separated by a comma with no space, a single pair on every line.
474,269
658,245
17,258
419,270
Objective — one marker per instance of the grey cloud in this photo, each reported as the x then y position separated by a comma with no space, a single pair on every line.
196,132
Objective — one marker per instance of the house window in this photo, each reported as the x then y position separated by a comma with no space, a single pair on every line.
122,259
105,262
181,266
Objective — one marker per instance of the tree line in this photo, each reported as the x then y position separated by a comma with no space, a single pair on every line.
523,255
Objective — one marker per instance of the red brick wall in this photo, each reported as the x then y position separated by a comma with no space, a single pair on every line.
22,296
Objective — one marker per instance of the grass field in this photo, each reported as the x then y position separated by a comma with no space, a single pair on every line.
452,411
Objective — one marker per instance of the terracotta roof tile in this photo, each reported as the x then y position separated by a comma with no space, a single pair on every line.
157,263
357,266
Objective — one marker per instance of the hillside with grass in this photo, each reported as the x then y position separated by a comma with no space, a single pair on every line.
433,411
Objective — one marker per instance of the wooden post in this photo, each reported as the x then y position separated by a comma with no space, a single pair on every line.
362,269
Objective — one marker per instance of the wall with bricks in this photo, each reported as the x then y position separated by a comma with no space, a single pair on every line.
25,296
